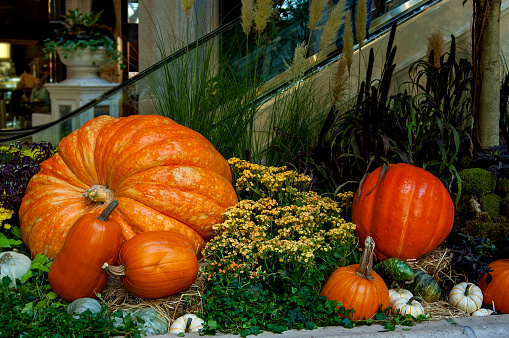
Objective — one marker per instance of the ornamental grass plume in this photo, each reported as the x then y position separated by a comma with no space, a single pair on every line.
247,15
361,19
262,13
186,5
335,21
348,41
340,81
436,44
296,69
316,12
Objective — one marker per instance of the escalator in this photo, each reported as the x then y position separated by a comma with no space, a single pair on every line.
151,89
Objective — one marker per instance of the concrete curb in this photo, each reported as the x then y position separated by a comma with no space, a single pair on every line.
471,327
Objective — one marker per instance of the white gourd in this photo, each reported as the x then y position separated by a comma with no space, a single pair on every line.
81,305
466,296
482,312
408,306
395,294
13,265
187,323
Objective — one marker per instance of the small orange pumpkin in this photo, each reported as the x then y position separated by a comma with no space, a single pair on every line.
93,239
406,210
497,291
156,264
357,286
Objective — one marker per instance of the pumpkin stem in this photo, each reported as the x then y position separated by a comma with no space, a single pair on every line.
467,289
188,324
103,216
117,271
5,258
366,267
98,194
414,298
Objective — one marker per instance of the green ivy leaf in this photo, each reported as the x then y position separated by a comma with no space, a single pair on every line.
4,241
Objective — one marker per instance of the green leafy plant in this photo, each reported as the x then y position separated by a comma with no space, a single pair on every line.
82,31
34,310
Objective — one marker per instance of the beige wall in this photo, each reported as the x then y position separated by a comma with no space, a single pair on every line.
163,22
448,16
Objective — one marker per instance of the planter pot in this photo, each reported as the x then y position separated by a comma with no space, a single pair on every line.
84,64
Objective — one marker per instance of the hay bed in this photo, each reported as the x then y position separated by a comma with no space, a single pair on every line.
116,297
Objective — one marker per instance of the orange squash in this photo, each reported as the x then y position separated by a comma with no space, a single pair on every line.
497,291
156,264
76,270
164,175
358,287
407,211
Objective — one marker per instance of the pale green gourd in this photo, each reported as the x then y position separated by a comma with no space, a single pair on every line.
81,305
13,265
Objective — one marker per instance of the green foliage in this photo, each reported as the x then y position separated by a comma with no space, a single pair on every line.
33,310
502,187
471,256
81,31
477,181
491,204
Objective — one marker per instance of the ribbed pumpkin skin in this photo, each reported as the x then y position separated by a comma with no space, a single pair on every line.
76,271
364,295
498,290
165,177
408,214
158,264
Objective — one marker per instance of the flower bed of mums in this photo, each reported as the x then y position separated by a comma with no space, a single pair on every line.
273,253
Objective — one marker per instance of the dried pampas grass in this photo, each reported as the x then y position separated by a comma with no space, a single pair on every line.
334,22
348,41
361,20
296,70
436,44
247,15
316,12
262,13
340,81
186,5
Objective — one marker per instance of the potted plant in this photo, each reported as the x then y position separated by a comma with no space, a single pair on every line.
82,37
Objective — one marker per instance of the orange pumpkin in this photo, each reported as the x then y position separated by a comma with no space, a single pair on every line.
358,287
497,291
406,210
156,264
165,177
76,271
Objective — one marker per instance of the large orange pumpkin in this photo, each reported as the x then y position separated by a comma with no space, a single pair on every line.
165,177
407,211
156,264
77,271
497,291
358,287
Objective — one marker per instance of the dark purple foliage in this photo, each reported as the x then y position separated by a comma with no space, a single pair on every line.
16,170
